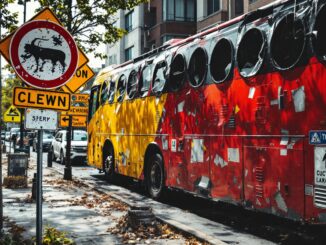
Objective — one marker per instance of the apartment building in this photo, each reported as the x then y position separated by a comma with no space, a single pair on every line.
152,24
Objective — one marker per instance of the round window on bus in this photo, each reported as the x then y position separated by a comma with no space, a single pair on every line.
111,91
177,72
104,92
159,79
121,89
251,51
132,84
145,79
319,34
221,64
288,41
197,67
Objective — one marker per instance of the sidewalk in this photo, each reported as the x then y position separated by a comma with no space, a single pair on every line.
88,216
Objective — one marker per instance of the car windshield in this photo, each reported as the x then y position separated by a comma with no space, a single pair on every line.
79,136
47,136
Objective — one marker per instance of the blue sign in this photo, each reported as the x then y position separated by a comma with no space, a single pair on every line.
317,137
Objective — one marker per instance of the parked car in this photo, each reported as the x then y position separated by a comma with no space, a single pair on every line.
3,135
14,132
7,136
47,142
78,146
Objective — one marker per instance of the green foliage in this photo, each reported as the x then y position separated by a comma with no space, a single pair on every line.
7,91
84,19
8,19
52,236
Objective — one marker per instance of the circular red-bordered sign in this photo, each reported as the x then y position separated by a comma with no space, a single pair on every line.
43,54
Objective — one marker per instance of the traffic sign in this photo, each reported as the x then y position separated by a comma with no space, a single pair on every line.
35,98
43,54
12,115
82,76
317,137
41,119
78,110
77,121
79,98
45,14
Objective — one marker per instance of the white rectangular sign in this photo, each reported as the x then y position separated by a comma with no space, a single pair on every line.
41,119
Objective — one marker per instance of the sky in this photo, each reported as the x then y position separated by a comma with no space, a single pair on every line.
30,12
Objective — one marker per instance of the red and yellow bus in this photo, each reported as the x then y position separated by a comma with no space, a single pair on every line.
225,114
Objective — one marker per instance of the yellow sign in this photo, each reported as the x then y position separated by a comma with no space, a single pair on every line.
12,115
77,121
79,98
82,76
78,110
45,14
35,98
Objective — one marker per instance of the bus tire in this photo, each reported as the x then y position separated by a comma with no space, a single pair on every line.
155,176
108,163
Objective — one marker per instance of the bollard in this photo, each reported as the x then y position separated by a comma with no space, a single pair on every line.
34,187
50,159
4,149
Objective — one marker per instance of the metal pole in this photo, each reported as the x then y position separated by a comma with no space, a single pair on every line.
1,201
39,195
21,140
67,171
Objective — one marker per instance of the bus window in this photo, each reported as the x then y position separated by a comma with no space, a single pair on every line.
177,72
197,67
159,80
145,80
221,60
319,31
121,89
250,54
288,41
104,92
111,91
132,84
93,103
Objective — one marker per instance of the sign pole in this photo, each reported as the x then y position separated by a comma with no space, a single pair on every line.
67,171
39,188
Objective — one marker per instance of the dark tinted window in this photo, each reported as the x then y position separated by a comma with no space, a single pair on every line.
197,67
104,92
132,84
121,89
177,72
111,91
93,103
251,52
287,43
146,78
159,80
221,60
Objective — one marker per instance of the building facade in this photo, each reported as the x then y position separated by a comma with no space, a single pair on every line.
150,25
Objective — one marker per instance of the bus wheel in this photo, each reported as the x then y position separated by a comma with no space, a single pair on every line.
108,164
155,176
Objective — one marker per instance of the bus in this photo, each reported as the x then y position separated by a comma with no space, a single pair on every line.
225,114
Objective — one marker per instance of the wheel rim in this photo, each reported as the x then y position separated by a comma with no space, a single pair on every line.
156,177
61,158
108,164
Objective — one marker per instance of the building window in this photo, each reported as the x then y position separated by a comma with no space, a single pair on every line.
128,21
112,59
213,6
128,53
179,10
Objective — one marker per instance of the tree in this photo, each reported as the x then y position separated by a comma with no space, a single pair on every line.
8,19
83,19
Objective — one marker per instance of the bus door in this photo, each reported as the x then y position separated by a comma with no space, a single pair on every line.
92,125
274,175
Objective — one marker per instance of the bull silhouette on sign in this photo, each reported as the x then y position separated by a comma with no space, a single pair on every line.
44,54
